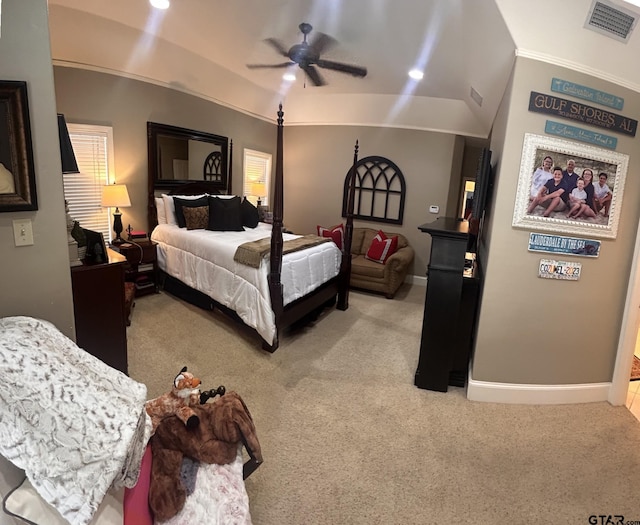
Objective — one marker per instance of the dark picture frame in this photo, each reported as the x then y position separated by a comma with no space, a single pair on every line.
16,152
598,160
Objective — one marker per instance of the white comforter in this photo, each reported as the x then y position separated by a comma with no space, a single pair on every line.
75,425
203,260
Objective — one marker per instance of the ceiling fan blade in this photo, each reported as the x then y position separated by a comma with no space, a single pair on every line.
322,43
263,66
313,74
277,45
356,71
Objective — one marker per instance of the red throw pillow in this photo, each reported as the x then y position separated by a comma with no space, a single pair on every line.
382,247
336,233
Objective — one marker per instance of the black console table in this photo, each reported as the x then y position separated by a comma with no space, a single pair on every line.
449,309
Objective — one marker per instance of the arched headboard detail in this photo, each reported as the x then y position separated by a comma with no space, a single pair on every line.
212,169
379,191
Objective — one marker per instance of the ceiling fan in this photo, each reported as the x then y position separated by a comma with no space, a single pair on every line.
308,55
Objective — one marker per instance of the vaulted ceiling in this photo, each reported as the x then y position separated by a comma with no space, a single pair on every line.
202,47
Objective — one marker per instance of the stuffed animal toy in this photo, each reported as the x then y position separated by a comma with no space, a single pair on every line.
224,424
178,402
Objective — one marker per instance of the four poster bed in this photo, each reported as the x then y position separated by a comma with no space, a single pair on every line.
293,278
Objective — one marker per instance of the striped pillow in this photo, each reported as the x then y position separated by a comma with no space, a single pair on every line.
382,247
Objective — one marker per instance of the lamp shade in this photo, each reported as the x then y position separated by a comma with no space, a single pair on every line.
257,189
67,157
115,195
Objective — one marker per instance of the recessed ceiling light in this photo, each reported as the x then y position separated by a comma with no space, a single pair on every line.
289,77
159,4
416,74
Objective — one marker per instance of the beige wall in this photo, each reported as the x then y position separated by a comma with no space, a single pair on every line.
539,331
87,97
317,159
35,280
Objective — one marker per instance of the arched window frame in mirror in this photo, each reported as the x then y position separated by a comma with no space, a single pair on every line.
379,186
157,133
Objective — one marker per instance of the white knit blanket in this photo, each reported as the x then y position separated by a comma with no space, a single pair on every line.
74,424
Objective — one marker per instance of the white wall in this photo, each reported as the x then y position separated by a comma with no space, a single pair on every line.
34,280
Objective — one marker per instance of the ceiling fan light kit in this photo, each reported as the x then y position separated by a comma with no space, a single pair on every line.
160,4
308,56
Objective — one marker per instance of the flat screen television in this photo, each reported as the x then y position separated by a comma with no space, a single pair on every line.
96,248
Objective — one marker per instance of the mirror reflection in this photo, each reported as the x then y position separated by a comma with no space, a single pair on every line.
179,155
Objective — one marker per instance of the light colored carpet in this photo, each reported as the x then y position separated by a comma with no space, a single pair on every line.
348,439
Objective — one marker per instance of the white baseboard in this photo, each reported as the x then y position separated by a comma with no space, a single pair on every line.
416,279
490,392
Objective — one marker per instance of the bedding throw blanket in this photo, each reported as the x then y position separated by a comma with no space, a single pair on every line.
74,424
251,253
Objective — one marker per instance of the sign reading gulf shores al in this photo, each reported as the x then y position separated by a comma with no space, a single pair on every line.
561,107
586,93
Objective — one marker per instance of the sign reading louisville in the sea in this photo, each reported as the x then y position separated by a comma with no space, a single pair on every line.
569,109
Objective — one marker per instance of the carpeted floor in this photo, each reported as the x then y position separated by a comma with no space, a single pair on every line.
635,369
348,439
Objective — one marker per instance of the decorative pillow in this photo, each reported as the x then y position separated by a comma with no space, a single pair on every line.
249,212
382,247
169,206
162,216
335,233
181,203
225,214
196,217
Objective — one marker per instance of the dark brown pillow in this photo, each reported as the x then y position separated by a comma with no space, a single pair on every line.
196,218
225,214
249,212
181,204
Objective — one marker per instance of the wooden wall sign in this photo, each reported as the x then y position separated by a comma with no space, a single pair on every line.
586,93
561,107
583,135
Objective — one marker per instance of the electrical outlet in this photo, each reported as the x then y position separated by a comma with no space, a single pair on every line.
23,232
434,209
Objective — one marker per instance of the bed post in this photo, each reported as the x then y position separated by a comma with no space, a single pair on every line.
345,267
230,168
275,285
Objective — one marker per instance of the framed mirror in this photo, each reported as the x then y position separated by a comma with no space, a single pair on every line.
178,156
17,175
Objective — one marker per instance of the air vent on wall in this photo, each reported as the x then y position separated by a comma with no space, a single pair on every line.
612,20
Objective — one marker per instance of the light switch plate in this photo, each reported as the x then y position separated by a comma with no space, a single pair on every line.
23,232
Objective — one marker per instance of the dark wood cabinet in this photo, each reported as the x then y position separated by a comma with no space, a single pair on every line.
449,310
99,309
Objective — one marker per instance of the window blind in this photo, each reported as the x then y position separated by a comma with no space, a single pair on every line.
257,168
93,148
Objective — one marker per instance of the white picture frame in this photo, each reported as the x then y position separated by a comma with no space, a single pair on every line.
535,149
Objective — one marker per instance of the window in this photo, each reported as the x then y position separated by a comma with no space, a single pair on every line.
93,148
257,176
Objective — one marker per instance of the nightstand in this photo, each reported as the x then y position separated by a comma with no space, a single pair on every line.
99,309
142,268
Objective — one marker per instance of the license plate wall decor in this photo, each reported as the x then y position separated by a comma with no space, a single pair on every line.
564,270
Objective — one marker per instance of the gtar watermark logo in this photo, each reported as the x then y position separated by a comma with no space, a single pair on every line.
611,519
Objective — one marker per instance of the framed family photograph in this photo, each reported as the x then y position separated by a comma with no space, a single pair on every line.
17,176
569,187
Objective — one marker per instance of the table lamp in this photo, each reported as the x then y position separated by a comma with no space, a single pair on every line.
116,195
257,190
